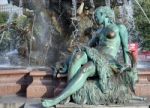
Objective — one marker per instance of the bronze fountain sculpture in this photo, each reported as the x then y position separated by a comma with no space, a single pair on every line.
94,74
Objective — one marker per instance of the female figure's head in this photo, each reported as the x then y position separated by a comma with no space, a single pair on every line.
104,13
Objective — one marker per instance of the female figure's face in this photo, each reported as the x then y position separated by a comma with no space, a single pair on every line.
99,17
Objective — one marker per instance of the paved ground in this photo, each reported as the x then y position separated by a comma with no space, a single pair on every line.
22,102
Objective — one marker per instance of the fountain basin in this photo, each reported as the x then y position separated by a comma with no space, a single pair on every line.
58,84
39,83
15,80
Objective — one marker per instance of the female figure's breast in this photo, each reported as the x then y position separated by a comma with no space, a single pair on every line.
110,40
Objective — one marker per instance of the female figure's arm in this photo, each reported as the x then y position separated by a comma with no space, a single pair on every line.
124,42
95,38
94,41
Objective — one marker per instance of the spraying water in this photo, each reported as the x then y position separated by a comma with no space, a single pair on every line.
10,18
2,38
126,14
31,40
20,3
107,2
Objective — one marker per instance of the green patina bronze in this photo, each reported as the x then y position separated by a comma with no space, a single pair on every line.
94,75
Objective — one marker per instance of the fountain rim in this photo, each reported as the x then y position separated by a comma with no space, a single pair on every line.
28,68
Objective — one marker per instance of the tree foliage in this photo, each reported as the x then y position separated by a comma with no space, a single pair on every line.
142,24
3,17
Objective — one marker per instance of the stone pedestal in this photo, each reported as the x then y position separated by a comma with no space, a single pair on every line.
41,86
143,86
13,81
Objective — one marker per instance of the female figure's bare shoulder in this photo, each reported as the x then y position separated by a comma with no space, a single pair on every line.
114,26
122,27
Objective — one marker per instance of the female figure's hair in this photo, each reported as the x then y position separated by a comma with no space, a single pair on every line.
107,11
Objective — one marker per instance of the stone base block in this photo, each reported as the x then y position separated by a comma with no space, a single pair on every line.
71,105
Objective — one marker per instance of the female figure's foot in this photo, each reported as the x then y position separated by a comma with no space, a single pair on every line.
48,103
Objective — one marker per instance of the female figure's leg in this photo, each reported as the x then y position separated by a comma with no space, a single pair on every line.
75,83
78,59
